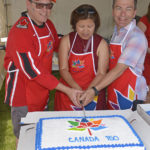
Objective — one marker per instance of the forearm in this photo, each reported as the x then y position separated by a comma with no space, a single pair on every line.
99,77
111,76
106,80
61,87
69,80
47,81
72,93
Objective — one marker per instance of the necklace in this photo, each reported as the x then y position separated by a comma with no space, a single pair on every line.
86,47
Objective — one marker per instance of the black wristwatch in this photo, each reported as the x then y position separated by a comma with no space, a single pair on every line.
95,90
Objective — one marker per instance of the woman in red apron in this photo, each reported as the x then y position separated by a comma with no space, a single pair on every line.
82,56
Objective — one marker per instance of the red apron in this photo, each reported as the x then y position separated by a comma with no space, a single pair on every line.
82,70
38,96
121,92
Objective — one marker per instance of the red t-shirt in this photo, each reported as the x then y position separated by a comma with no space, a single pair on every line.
144,19
146,71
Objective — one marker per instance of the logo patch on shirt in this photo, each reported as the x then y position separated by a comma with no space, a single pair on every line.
49,46
78,64
23,24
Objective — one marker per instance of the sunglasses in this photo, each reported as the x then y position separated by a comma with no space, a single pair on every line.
41,5
83,11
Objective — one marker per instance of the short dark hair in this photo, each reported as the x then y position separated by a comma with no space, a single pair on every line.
135,4
82,12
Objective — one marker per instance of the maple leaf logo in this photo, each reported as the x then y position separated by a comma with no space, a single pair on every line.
84,124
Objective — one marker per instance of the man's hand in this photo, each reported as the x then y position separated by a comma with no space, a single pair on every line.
87,96
75,95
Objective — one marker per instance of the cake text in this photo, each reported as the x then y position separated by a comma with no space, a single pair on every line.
83,139
112,138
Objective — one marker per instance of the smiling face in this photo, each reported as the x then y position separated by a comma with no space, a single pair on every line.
85,28
123,12
39,10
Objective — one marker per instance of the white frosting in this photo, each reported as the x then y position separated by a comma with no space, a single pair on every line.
56,133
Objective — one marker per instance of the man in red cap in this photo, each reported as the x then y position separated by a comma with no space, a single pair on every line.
28,62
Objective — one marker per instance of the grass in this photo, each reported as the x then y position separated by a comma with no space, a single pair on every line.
52,93
7,138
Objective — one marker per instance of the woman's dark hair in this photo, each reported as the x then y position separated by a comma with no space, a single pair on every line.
148,13
83,12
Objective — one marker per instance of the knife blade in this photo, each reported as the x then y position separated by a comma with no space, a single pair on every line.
81,102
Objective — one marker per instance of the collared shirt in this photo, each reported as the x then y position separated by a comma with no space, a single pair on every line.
134,49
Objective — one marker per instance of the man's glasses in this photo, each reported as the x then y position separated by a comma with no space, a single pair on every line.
41,5
84,11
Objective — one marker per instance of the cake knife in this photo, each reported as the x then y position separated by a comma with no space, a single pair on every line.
81,102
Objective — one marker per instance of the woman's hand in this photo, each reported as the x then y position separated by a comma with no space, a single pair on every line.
87,97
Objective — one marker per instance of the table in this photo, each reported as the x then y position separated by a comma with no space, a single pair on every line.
28,130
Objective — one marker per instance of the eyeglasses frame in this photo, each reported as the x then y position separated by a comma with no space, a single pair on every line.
42,5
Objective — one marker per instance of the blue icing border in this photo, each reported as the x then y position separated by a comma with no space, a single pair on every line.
39,134
148,112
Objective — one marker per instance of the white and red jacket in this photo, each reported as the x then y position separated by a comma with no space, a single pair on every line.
28,63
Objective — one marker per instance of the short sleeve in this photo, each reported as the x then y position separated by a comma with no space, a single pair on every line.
134,50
